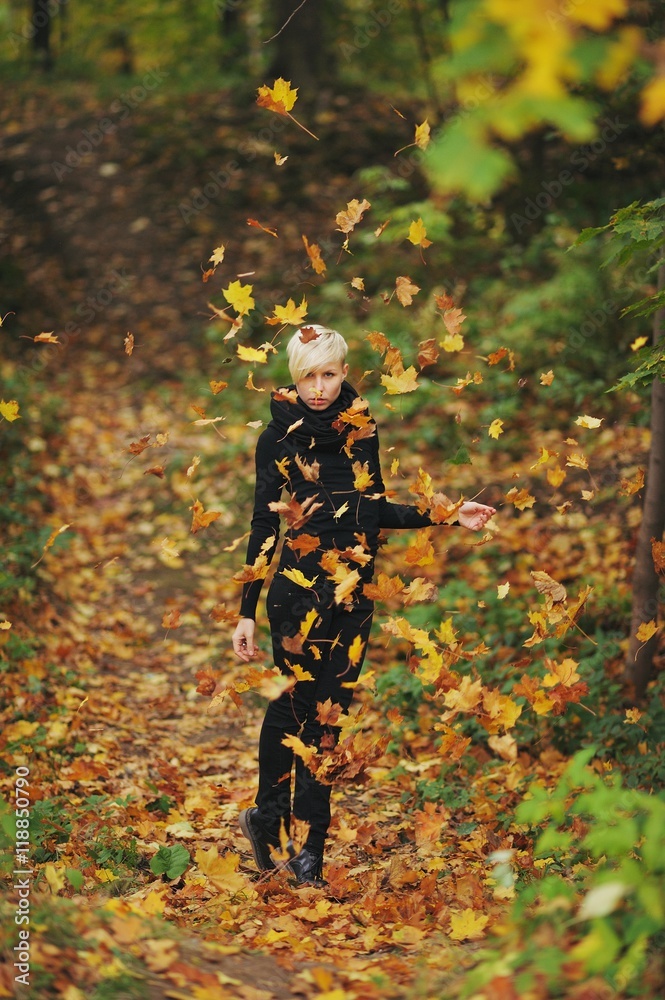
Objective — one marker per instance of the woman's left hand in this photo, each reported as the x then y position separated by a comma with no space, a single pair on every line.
474,515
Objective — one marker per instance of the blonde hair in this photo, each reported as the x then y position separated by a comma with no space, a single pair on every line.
326,347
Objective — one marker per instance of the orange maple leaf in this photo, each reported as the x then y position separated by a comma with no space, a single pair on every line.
281,98
314,254
257,225
428,353
303,544
201,519
384,588
421,550
295,514
405,289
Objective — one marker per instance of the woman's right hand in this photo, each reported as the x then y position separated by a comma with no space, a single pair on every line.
243,640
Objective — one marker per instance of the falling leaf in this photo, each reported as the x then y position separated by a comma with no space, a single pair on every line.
280,98
129,343
217,256
453,320
296,514
200,518
290,313
405,289
587,421
646,631
422,135
252,354
171,619
46,338
452,343
421,550
239,297
520,498
418,234
310,472
49,542
407,381
577,460
218,387
495,428
279,159
299,748
427,353
363,478
298,577
358,283
556,476
658,554
349,218
385,588
546,585
9,410
356,650
314,254
257,225
631,486
502,590
633,715
547,378
639,342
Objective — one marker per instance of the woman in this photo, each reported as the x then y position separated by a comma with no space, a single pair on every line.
322,446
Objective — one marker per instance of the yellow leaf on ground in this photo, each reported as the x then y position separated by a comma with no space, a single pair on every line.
467,925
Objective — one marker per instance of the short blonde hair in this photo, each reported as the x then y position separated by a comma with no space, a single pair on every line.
313,347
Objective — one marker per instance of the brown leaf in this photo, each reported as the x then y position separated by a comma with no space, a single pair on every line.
405,289
546,585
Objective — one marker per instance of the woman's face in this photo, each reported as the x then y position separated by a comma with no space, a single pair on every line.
321,387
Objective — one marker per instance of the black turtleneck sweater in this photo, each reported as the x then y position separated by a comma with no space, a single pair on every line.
314,466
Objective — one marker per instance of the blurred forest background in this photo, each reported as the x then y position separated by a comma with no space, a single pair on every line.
132,149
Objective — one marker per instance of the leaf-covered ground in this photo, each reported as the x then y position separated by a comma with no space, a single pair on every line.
123,698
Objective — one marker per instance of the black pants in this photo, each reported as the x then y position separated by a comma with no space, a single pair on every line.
295,711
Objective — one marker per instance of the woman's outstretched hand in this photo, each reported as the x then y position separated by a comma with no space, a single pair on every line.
243,640
474,515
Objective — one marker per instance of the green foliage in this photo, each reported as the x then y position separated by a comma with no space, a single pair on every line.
602,899
170,861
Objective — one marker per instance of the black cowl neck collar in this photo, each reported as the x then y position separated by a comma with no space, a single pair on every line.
314,425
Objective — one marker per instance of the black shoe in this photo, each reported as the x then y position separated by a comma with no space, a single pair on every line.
259,844
308,868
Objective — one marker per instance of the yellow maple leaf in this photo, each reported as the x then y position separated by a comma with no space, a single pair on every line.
406,381
633,715
252,354
541,704
363,478
646,631
452,342
356,649
577,460
464,698
405,289
298,577
46,338
9,410
520,498
421,550
505,746
280,98
639,342
418,234
587,421
495,428
239,296
547,378
345,587
299,748
556,476
290,313
467,925
561,673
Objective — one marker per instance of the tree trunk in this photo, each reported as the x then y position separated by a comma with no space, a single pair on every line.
41,40
645,579
300,49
